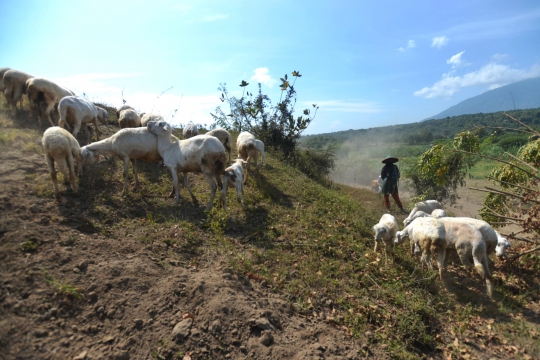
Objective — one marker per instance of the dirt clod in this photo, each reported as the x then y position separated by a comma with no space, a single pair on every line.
182,330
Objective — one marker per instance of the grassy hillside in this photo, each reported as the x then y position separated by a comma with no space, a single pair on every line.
306,244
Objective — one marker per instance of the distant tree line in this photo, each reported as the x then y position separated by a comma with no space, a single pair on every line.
428,131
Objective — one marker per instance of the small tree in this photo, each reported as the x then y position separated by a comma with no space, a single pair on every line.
440,171
275,125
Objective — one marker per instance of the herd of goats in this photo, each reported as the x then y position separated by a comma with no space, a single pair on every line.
143,136
149,138
431,231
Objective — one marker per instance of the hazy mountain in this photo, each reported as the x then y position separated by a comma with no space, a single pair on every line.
526,95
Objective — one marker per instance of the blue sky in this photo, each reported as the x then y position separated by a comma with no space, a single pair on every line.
365,63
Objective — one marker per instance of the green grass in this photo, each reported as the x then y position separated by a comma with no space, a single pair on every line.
30,245
482,169
64,288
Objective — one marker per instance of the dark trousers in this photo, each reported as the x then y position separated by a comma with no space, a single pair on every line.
395,196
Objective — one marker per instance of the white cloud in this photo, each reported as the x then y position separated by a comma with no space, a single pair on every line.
262,76
216,17
494,86
489,75
190,108
410,44
456,60
349,106
499,57
439,41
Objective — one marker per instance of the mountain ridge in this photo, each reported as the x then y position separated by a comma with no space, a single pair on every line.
523,94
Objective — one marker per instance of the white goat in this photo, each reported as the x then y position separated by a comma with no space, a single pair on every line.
43,93
15,87
426,235
127,144
438,213
201,153
233,177
469,242
465,238
426,206
123,107
502,245
2,72
418,214
488,233
61,147
147,117
385,232
190,130
248,148
78,111
128,118
224,136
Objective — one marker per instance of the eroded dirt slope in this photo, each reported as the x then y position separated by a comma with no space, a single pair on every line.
137,302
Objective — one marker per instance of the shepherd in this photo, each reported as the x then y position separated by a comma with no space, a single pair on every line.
390,175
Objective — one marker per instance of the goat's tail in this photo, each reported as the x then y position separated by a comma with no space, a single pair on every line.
220,164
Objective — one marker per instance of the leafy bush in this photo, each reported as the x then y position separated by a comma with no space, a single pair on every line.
275,125
440,170
316,164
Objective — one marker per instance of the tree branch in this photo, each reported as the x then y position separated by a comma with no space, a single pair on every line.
502,216
512,195
496,159
508,183
521,161
513,258
522,124
519,238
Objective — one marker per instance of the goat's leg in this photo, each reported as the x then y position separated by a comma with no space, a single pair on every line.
135,173
467,264
186,185
71,172
489,285
213,187
175,184
426,257
86,132
248,168
126,166
78,160
50,163
440,253
10,98
76,129
48,109
240,196
97,130
17,97
482,268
